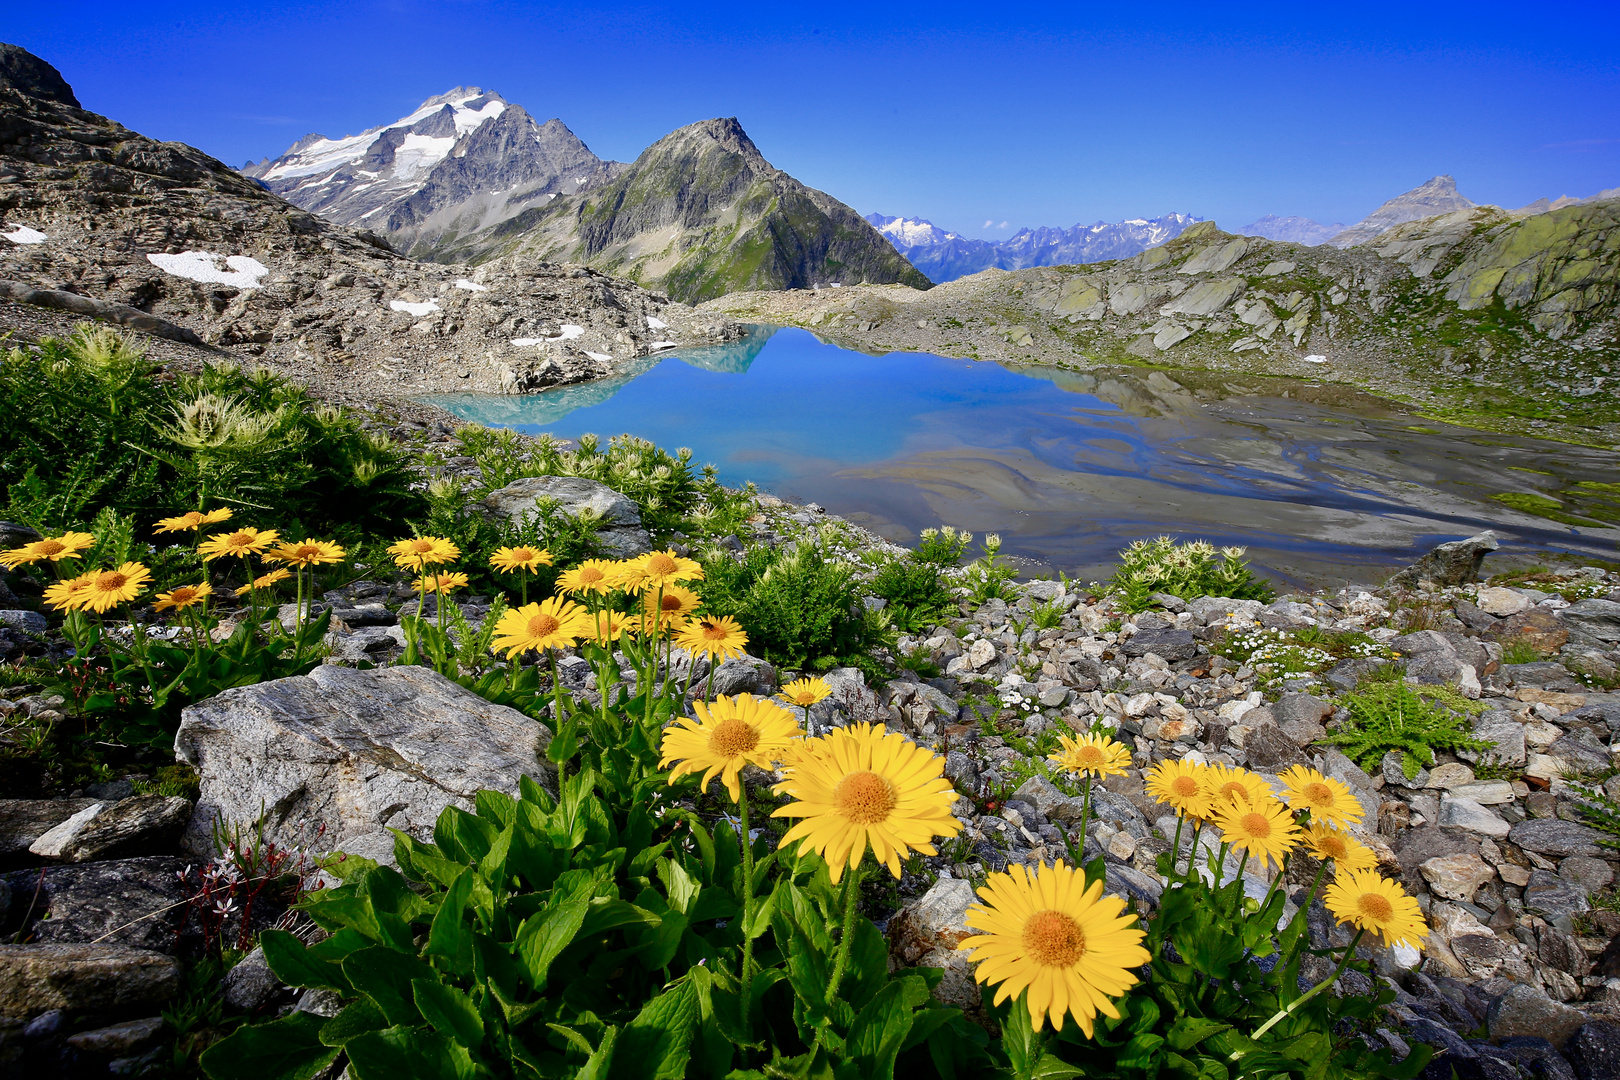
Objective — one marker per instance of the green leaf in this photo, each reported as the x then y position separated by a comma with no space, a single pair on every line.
597,1068
761,921
292,963
385,976
412,1052
545,935
357,1018
285,1049
879,1032
450,1011
1052,1068
1189,1031
656,1044
450,938
678,885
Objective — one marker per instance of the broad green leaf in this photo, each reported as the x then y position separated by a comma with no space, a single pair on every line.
292,963
879,1032
450,938
601,1062
495,806
1189,1031
285,1049
761,920
678,885
1051,1068
575,1039
450,1011
385,975
413,1052
547,934
356,1018
656,1044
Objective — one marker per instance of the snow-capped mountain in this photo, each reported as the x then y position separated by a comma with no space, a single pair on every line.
945,256
1293,230
462,161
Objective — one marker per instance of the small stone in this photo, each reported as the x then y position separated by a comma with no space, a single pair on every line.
1450,775
1456,877
1470,815
250,985
926,933
1454,563
1055,697
980,654
1394,768
1536,627
83,978
142,825
1486,792
129,1037
1502,602
1513,875
1171,645
1591,874
24,821
1552,897
1524,1010
1269,750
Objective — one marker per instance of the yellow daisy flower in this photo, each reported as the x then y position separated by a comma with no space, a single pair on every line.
591,576
50,549
109,588
265,581
1229,785
664,568
1369,902
62,595
183,597
239,544
674,603
441,583
1326,798
307,553
606,627
1180,785
805,692
553,623
860,786
421,552
730,733
192,519
1266,830
1325,842
1091,755
1045,932
713,636
516,560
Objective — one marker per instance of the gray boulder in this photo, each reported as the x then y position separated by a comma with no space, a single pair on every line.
926,933
1525,1010
1553,897
28,622
24,821
1171,645
1455,563
121,901
1594,1051
1559,839
1599,618
141,825
359,751
620,536
36,978
250,985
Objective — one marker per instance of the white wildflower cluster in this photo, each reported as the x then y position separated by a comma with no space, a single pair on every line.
1012,699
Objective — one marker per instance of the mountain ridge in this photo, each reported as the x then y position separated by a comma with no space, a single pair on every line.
946,256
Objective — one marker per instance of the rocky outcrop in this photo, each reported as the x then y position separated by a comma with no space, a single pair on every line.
1429,199
699,214
1453,563
83,978
618,534
21,70
358,752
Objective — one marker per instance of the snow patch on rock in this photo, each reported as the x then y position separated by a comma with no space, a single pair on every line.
471,286
22,234
424,308
203,266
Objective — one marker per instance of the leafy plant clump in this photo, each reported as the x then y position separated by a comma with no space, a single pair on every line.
1186,570
1416,721
915,585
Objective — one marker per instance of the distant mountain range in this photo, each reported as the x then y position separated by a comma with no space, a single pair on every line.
1292,230
946,256
469,176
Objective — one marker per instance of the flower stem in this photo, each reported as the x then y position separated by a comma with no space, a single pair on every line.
556,697
1175,848
1085,817
1349,953
852,889
748,907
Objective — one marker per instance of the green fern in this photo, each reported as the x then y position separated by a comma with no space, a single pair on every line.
1396,716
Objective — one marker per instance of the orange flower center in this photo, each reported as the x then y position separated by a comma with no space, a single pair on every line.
307,551
1090,756
543,626
522,555
733,737
1235,791
1053,939
1257,826
590,575
1375,907
1334,846
1184,787
421,547
714,631
660,564
183,595
804,697
111,581
49,548
671,603
864,797
1318,794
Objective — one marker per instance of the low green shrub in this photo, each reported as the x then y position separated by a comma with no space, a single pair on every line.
1186,570
919,595
1416,721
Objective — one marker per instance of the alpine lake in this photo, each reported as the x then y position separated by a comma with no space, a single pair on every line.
1322,484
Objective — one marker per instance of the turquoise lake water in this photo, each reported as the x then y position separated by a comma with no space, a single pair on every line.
1070,466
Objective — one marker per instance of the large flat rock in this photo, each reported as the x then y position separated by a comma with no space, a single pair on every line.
23,821
133,902
357,752
83,978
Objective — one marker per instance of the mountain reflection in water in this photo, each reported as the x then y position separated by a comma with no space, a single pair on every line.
1070,466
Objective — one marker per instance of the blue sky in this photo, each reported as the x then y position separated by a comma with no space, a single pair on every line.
1017,113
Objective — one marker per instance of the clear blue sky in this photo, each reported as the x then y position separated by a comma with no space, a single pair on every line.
1016,113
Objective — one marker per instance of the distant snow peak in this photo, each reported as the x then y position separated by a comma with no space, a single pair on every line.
22,234
427,307
316,153
910,231
203,266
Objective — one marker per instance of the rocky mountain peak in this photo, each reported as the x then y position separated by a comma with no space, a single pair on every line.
722,134
1435,196
23,71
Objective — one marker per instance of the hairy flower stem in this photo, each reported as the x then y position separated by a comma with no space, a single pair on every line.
748,908
1281,872
557,699
1175,847
1349,954
852,889
1085,818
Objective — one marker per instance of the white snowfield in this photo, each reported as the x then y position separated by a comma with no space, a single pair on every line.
599,357
662,345
418,153
525,342
569,332
425,308
1316,358
471,286
22,234
241,271
655,323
